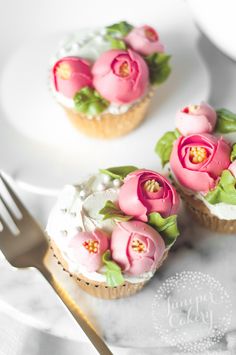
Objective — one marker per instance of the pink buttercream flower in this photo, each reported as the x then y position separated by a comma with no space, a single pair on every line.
88,248
145,191
144,40
195,119
70,74
232,168
136,247
198,160
121,76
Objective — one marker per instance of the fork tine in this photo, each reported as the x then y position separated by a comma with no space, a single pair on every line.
6,240
11,214
2,225
4,229
13,195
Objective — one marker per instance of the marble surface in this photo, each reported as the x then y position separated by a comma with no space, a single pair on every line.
124,323
127,323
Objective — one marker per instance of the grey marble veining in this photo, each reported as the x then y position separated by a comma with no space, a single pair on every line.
126,322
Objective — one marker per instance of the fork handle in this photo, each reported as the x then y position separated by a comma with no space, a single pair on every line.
81,319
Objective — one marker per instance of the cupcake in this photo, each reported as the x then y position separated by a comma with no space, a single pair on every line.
200,156
112,232
104,79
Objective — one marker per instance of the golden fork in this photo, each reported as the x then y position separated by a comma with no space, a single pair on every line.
29,248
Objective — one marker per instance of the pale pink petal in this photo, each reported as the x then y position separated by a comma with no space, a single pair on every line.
232,168
221,159
102,65
201,120
129,200
131,261
139,42
138,267
80,76
134,201
203,179
143,229
114,87
119,243
91,261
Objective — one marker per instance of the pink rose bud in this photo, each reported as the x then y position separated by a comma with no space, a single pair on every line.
70,74
136,247
232,168
144,40
121,76
145,191
88,248
198,160
195,119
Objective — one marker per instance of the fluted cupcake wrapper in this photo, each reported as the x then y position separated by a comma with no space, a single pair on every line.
107,125
100,289
203,216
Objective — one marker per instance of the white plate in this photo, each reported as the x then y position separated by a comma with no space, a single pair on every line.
38,146
217,20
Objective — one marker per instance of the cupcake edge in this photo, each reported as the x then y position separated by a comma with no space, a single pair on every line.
202,214
108,125
100,289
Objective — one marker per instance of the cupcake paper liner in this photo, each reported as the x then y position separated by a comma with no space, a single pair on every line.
100,289
202,214
107,125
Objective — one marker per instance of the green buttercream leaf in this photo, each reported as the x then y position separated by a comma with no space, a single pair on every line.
226,121
120,29
167,227
119,172
233,152
113,272
88,101
224,191
112,211
159,68
116,43
164,146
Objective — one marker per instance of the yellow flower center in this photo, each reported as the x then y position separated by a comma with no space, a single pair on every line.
124,69
193,108
198,155
138,246
91,246
150,34
64,71
151,186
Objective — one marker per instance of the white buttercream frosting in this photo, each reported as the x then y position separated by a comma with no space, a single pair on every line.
76,210
221,210
89,45
114,109
86,44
